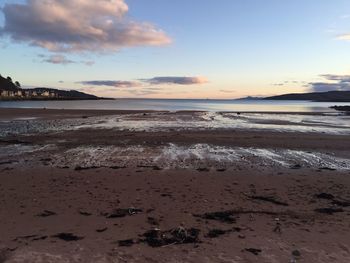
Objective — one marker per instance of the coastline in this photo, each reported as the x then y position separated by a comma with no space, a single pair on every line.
90,186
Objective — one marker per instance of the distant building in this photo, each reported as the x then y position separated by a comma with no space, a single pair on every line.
18,93
45,94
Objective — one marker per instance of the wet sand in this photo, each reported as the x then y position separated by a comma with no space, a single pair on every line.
197,195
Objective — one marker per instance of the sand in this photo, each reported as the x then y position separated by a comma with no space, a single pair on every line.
171,195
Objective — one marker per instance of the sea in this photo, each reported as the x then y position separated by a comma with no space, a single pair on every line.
180,105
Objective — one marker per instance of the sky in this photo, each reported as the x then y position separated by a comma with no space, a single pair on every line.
177,49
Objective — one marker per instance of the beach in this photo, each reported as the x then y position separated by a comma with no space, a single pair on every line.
174,186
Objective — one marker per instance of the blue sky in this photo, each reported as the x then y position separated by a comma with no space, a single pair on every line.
198,49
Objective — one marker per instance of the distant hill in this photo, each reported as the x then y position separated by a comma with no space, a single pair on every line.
250,98
10,90
330,96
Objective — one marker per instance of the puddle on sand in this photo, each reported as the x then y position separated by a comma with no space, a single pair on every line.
153,122
196,156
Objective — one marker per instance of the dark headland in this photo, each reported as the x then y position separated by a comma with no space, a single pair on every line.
329,96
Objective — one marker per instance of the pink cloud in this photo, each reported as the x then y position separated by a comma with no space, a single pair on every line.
77,25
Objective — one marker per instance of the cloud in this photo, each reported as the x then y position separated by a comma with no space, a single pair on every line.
88,63
339,78
227,91
344,37
58,59
339,82
77,26
176,80
143,92
111,83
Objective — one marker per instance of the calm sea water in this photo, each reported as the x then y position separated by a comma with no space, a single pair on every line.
180,104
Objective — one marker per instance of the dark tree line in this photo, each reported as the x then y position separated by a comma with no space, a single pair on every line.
7,83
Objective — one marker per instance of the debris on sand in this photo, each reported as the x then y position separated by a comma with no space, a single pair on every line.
329,210
126,243
341,203
152,221
118,213
67,237
269,199
154,167
254,251
213,233
46,213
296,253
101,230
331,197
224,216
325,196
296,167
180,235
204,169
84,213
328,169
31,238
4,255
79,168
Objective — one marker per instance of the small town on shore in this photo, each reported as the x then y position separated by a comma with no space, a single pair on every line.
28,94
12,90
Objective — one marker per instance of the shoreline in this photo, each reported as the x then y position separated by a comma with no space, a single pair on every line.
10,112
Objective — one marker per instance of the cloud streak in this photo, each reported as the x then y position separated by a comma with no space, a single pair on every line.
112,83
146,82
345,37
58,59
175,80
78,26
